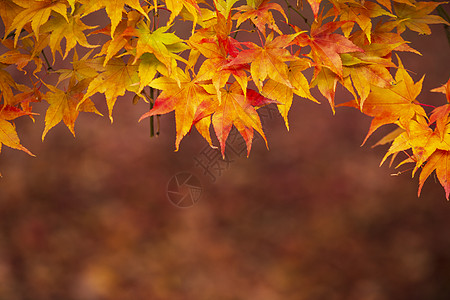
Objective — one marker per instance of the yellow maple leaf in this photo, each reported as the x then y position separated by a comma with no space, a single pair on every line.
36,12
64,105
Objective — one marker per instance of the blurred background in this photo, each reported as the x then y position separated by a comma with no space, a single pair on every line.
314,217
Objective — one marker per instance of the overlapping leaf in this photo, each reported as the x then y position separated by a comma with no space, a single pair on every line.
64,105
183,97
268,61
8,134
239,110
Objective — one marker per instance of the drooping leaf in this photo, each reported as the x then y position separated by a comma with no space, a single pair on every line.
238,110
7,83
63,105
8,134
37,12
362,14
268,61
71,29
417,17
158,43
283,94
439,161
327,46
260,15
114,9
184,98
445,89
175,6
393,105
116,78
220,49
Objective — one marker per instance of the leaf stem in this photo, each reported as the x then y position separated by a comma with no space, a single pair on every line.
152,125
299,13
49,67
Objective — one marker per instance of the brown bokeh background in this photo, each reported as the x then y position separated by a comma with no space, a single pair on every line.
312,218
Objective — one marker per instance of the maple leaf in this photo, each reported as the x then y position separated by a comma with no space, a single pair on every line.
219,49
326,81
175,6
368,68
268,61
36,12
445,89
439,161
362,14
238,110
114,9
71,29
8,134
284,94
15,56
393,105
149,66
116,78
440,114
64,105
121,37
421,139
382,34
327,46
160,43
315,4
224,6
260,15
81,68
183,97
7,83
417,17
8,12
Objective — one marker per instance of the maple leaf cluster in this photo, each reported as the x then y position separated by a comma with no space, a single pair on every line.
213,79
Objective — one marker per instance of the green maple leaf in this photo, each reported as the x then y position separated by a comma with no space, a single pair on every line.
162,44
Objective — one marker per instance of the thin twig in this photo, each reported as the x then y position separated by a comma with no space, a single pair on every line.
46,61
299,13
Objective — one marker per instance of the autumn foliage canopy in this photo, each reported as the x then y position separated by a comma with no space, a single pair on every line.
214,77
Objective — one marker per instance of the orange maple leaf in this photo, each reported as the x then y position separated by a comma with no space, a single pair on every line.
260,15
114,9
327,46
175,6
268,61
71,29
63,105
113,81
8,134
439,161
183,97
284,94
238,110
416,17
219,49
445,89
392,105
36,12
